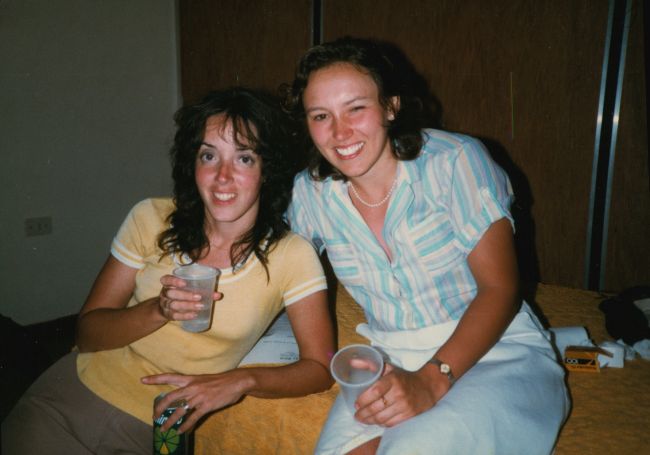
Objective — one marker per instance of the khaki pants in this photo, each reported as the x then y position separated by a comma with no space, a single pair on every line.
59,415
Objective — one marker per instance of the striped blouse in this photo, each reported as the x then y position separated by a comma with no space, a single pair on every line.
444,201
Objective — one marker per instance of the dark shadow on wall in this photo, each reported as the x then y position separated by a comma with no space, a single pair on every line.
521,212
414,85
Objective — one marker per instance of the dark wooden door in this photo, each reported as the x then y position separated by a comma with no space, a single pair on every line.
523,75
255,43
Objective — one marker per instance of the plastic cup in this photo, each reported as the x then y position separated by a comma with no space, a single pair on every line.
355,368
199,279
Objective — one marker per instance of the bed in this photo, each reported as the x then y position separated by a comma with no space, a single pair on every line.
610,414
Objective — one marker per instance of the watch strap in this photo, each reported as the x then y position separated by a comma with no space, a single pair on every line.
444,368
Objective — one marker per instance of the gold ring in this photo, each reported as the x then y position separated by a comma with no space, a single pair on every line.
383,400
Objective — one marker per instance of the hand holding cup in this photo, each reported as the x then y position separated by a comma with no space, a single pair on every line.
355,368
191,300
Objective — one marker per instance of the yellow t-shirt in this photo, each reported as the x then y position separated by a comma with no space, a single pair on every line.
249,305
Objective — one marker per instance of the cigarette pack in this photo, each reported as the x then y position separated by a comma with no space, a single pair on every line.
583,358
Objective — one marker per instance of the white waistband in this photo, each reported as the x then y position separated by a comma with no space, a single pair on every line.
410,349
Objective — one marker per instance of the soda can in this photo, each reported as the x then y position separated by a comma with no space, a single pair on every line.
169,442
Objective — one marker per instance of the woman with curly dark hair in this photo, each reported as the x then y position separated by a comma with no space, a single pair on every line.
232,169
256,125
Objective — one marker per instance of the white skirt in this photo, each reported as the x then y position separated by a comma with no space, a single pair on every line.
513,401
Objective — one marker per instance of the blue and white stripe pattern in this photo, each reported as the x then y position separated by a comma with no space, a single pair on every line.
443,203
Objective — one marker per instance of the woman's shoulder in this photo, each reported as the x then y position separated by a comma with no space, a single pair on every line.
304,180
158,206
442,149
292,240
446,155
152,212
294,257
308,191
294,245
439,141
138,234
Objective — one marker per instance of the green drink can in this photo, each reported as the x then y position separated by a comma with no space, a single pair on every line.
169,442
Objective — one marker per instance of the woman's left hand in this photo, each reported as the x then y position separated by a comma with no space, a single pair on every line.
399,395
202,394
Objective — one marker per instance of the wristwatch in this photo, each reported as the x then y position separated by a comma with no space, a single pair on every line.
445,369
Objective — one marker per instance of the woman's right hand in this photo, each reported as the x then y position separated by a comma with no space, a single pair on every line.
202,393
178,304
399,395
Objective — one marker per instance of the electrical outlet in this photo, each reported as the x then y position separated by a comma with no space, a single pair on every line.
38,226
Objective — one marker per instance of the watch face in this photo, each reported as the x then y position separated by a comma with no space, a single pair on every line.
444,368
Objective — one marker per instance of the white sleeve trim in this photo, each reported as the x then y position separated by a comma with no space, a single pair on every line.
305,289
125,256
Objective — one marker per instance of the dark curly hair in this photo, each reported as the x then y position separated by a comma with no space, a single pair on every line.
258,123
394,77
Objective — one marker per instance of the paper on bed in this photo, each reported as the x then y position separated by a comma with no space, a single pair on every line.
277,345
569,336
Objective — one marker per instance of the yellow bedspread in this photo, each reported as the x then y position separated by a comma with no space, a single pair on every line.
611,409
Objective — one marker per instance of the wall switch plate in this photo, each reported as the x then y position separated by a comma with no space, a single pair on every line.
38,226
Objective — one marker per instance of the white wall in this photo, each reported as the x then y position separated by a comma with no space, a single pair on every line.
87,94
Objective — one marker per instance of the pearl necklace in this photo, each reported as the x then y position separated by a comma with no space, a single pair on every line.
377,204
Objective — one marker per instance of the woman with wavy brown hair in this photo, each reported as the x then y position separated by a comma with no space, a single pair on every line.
416,224
233,170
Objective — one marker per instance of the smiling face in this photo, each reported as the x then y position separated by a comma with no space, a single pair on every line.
228,177
347,122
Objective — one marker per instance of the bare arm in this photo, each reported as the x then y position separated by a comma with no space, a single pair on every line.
105,322
313,330
312,327
494,267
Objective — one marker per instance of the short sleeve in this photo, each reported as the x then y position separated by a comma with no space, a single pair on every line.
301,212
136,239
480,193
303,272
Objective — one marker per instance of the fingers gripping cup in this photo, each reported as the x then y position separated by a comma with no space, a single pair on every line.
355,368
202,280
